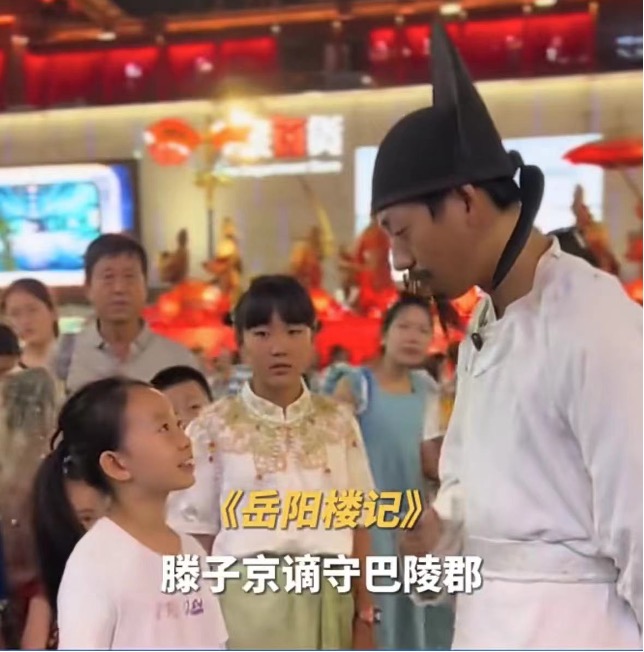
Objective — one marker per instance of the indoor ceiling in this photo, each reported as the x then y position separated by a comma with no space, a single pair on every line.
77,21
142,8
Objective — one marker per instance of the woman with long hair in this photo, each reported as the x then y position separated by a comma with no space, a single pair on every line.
29,309
391,400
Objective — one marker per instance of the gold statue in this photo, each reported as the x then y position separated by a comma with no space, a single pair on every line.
226,267
595,234
307,258
173,265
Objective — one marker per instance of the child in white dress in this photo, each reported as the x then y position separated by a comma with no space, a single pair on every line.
123,439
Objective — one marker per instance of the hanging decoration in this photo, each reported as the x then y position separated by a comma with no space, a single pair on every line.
171,141
618,155
608,154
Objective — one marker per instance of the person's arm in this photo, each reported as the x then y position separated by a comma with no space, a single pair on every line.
602,401
196,511
38,625
430,448
430,454
344,393
439,529
86,615
361,479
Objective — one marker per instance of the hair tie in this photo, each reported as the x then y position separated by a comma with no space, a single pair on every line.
68,463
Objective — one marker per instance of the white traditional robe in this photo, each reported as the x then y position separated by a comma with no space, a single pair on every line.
542,466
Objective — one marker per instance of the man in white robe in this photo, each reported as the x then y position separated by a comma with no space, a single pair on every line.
541,466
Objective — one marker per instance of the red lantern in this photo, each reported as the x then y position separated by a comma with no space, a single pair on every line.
171,141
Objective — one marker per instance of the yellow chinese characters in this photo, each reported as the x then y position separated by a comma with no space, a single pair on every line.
333,510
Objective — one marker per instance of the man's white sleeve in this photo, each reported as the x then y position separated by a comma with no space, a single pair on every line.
449,501
604,408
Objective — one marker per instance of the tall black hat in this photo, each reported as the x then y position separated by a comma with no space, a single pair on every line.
450,144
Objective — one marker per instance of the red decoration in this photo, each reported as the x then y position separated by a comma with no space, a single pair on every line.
289,137
634,290
171,141
609,154
249,57
227,134
495,48
169,307
466,304
634,250
192,313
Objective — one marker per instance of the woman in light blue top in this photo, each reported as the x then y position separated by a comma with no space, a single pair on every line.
391,401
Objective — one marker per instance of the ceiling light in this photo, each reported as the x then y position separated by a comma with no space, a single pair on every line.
203,65
133,71
545,3
107,35
450,9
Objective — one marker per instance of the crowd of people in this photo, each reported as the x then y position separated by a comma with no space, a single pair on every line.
117,451
119,398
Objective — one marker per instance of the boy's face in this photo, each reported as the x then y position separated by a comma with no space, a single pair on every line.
187,398
278,353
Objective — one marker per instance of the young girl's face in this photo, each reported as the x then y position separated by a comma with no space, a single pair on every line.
155,453
31,319
187,400
88,504
408,337
278,353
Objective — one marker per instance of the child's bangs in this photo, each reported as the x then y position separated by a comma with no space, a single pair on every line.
258,310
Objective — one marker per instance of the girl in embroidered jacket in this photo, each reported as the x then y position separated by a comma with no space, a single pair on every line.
278,438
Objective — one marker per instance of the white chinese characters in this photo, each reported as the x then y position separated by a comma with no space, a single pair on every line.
305,574
325,135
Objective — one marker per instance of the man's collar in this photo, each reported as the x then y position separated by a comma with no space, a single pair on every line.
139,343
264,409
485,314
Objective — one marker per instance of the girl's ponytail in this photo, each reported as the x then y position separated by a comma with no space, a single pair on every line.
56,527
